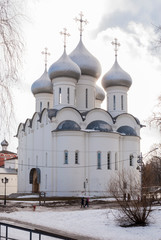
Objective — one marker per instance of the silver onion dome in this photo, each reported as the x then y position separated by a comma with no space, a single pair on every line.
42,85
100,95
116,76
4,143
64,67
88,64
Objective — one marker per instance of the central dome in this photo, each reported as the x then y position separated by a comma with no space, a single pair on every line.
64,67
88,64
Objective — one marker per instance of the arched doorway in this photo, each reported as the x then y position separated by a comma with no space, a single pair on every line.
35,179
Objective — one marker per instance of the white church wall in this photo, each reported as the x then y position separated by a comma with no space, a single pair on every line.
70,176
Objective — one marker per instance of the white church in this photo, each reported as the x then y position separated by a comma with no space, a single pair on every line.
71,146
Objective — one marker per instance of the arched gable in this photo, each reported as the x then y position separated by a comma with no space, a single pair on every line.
20,129
68,114
27,124
98,114
44,116
129,120
34,120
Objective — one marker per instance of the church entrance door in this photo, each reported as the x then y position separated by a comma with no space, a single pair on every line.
35,185
35,179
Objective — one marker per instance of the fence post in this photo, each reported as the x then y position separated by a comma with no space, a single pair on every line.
6,232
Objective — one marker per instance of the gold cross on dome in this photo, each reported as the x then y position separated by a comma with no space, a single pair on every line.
65,36
46,53
81,22
117,45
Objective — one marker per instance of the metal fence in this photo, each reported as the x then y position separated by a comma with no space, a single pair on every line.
13,232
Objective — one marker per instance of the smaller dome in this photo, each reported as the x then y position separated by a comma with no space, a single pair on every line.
68,125
127,130
100,95
88,64
99,125
64,67
42,85
116,76
4,143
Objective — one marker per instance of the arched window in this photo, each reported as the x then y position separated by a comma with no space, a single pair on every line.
76,157
108,161
114,102
68,95
98,160
65,157
40,106
131,160
60,96
46,159
122,102
46,178
86,98
28,163
36,161
48,105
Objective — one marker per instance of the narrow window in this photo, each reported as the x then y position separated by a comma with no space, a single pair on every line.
28,163
65,157
68,95
122,102
36,161
46,159
98,160
116,162
114,102
108,161
131,160
76,157
48,105
60,96
40,106
86,98
46,179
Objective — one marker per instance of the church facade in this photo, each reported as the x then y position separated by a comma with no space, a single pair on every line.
72,146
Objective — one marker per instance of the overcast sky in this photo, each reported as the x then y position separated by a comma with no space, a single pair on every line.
132,22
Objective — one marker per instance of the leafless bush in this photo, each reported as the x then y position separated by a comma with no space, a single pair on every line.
134,210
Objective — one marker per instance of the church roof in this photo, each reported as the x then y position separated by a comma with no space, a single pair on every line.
6,155
42,85
88,64
100,95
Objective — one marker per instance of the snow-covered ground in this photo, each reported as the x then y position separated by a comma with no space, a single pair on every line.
96,223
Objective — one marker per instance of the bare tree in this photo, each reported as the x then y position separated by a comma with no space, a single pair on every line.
155,119
11,46
152,171
126,189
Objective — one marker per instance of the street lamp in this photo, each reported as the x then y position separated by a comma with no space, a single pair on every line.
5,181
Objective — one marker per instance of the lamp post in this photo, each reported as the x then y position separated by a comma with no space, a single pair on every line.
5,181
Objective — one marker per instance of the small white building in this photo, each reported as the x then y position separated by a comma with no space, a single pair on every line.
8,169
72,146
